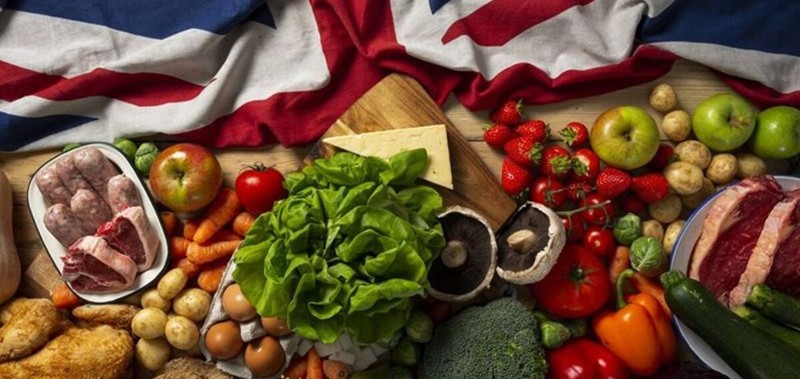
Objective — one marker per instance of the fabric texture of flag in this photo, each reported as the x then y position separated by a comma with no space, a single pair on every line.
248,72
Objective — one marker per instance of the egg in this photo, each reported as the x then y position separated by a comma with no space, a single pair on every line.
276,326
224,340
264,356
236,305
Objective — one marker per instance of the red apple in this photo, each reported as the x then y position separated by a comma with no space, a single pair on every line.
185,177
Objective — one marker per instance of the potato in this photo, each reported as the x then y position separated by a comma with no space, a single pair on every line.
192,303
182,333
722,168
671,235
653,228
665,210
149,323
172,283
677,125
691,201
151,299
693,152
152,354
684,178
749,165
663,98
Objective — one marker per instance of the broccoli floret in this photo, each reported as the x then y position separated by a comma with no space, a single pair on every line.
498,340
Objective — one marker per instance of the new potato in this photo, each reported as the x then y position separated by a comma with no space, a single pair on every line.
182,333
172,283
684,178
665,210
677,125
693,152
653,228
153,353
192,303
663,98
722,168
149,323
691,201
151,299
749,165
671,235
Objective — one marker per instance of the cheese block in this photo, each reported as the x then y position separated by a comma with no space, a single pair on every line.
385,143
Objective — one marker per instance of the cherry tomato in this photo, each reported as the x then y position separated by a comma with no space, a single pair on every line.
575,227
259,187
578,190
548,191
600,240
597,214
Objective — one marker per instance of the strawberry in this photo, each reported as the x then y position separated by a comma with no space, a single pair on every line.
576,191
523,150
650,187
497,135
612,182
514,178
535,129
575,134
556,161
631,203
664,156
509,113
585,165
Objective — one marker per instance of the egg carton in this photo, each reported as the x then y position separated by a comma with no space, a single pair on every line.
249,331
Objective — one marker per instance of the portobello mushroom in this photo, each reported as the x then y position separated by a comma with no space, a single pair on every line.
529,244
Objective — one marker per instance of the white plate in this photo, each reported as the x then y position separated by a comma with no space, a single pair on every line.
681,255
37,208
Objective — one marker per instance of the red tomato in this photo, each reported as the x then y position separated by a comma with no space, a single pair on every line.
583,358
549,192
259,187
576,286
600,240
575,227
595,212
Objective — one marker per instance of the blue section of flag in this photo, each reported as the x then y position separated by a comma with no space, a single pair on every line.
437,4
763,25
263,15
150,18
17,131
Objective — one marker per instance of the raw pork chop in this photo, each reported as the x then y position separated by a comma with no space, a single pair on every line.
92,265
730,232
781,223
130,233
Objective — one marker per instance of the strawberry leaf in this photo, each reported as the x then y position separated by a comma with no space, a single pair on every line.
568,134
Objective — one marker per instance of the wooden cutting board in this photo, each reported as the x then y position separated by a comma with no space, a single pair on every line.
399,102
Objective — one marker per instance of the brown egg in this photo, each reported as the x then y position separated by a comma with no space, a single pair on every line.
236,305
264,356
224,340
276,326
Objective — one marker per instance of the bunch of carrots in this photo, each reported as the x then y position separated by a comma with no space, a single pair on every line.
204,245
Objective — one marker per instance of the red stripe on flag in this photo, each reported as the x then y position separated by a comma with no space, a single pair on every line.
142,89
760,94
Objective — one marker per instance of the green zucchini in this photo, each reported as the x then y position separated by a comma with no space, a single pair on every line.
775,305
747,350
789,336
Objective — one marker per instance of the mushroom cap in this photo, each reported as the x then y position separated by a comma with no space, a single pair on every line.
550,239
464,283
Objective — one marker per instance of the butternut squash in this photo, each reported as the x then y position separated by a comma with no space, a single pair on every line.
9,259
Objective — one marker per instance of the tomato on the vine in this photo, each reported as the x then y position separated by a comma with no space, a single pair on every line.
599,209
259,187
574,226
576,286
600,240
548,191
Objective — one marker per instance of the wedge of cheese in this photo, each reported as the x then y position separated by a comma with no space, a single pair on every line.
385,143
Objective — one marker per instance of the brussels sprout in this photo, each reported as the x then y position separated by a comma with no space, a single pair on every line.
627,229
70,146
406,353
145,155
648,257
127,147
399,372
419,327
554,334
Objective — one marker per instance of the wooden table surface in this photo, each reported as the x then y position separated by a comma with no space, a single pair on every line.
691,81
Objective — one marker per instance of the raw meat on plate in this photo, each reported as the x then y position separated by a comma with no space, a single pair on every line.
92,265
785,273
131,234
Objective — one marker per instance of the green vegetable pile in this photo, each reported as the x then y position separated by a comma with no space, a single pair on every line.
347,250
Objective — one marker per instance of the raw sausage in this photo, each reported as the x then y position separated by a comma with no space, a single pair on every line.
122,193
62,224
53,191
70,176
95,167
90,210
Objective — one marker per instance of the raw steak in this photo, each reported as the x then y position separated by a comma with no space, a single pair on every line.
131,234
92,265
785,273
730,232
781,223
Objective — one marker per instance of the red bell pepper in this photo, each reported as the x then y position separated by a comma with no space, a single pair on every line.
585,359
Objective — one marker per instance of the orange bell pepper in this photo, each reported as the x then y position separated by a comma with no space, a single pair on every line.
639,332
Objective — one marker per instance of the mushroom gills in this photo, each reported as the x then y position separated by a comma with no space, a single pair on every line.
530,227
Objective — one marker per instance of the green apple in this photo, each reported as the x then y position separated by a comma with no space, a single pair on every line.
625,137
724,121
777,133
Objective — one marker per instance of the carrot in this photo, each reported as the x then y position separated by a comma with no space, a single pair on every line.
336,369
178,247
314,365
652,288
620,260
64,298
224,234
242,222
190,228
200,254
209,279
297,369
170,221
190,269
221,211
